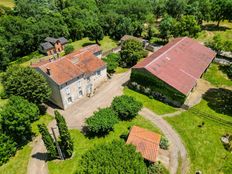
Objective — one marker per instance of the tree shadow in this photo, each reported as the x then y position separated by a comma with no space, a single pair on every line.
87,44
220,100
92,135
40,156
214,27
227,70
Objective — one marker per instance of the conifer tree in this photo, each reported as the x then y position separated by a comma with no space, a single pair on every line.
48,141
66,142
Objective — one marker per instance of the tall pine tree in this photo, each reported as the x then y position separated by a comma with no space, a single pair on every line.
66,142
48,141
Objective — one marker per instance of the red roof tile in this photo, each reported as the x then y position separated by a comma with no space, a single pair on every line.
82,61
145,141
179,63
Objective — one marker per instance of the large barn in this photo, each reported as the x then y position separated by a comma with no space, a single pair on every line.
172,71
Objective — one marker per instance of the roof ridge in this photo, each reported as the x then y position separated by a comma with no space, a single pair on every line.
145,139
165,52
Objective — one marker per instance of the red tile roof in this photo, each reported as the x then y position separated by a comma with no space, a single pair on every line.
179,63
145,141
82,61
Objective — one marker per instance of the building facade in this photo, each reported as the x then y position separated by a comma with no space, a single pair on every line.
74,76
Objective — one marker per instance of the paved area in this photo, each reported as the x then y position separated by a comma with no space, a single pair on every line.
75,117
176,146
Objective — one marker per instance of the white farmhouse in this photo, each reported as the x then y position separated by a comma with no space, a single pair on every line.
73,76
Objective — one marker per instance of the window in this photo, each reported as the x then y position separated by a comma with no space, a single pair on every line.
80,93
99,73
70,100
67,90
78,83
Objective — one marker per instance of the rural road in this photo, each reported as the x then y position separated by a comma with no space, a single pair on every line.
176,143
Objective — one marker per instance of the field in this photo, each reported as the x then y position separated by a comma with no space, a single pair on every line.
7,3
18,163
217,77
82,144
203,144
152,104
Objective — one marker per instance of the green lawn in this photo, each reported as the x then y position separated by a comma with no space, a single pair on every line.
152,104
203,144
7,3
82,144
18,163
106,44
119,70
216,76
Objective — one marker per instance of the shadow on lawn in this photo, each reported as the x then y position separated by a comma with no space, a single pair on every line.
40,156
227,70
220,100
213,27
87,44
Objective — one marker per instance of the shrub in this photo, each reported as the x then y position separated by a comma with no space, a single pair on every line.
21,105
48,141
102,122
7,148
26,82
112,61
164,143
68,49
157,168
126,107
66,142
115,157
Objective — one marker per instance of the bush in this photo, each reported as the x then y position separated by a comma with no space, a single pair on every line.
66,142
112,61
26,82
126,107
68,49
157,168
102,122
115,157
21,105
164,143
7,148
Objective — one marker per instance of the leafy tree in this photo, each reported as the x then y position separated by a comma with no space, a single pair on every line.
115,157
48,141
221,10
157,168
66,142
131,52
219,44
167,27
112,61
164,144
126,107
102,121
95,32
176,8
68,49
26,82
159,8
7,148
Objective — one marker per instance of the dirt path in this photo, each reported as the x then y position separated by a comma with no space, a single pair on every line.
75,117
176,143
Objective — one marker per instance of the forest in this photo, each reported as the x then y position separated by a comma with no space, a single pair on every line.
25,26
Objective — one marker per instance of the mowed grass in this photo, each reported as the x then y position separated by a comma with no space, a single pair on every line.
152,104
83,144
203,144
18,163
119,70
216,76
7,3
106,43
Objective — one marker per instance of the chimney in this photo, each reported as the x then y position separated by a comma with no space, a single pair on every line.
49,71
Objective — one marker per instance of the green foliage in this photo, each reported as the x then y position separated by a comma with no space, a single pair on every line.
66,142
176,8
115,157
164,144
18,104
126,107
219,44
112,61
48,141
7,148
157,168
68,49
95,32
102,122
131,52
26,82
166,27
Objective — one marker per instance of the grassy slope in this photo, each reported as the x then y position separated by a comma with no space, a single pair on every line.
203,144
18,163
82,144
7,3
154,105
216,77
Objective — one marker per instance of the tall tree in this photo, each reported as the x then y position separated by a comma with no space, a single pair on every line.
176,8
95,32
66,141
167,27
